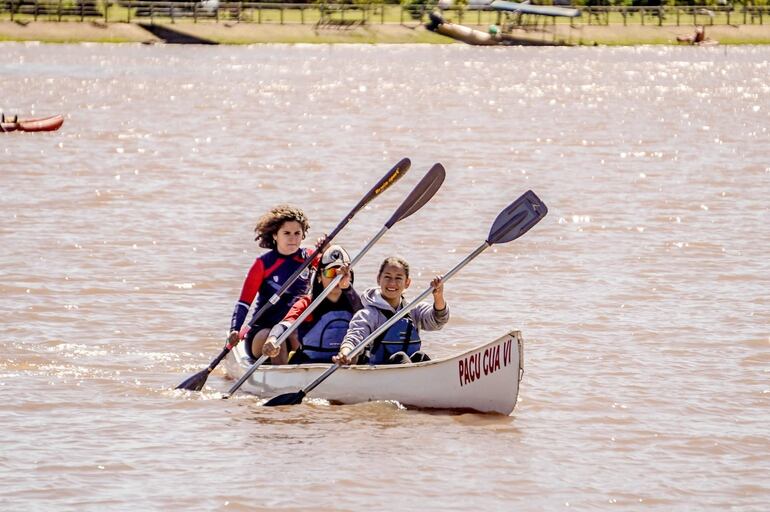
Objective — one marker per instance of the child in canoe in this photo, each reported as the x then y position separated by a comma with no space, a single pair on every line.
319,336
281,230
401,342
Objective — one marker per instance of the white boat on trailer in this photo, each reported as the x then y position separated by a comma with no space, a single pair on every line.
485,379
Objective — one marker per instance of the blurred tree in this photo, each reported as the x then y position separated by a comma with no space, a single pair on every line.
416,8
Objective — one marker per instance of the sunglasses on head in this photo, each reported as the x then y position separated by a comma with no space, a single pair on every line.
332,272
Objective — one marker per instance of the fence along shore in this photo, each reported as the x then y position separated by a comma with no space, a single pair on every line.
126,11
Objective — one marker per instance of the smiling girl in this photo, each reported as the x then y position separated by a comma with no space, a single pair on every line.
401,342
281,230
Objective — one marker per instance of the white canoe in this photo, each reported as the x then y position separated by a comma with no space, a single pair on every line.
484,379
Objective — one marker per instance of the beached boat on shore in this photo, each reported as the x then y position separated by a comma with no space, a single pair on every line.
476,37
39,124
484,379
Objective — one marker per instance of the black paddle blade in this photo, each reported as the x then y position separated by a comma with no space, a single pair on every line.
392,176
286,399
517,218
196,382
422,193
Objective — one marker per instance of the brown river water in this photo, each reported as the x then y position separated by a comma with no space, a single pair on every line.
642,296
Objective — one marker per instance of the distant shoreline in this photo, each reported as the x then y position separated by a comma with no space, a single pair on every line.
254,33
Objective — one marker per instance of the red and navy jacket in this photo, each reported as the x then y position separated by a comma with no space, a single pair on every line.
266,276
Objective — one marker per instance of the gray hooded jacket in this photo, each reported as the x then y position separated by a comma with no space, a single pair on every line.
365,321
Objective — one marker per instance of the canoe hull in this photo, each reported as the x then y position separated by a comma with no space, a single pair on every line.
479,38
42,124
461,33
485,379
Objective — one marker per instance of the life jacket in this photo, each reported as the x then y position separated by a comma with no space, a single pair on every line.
321,340
278,269
401,336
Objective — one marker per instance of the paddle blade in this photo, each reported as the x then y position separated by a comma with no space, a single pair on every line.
385,182
286,399
422,193
196,382
517,219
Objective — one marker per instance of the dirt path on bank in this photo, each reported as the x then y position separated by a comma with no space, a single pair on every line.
250,33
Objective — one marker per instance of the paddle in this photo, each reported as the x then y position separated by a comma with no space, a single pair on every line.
421,194
197,381
510,224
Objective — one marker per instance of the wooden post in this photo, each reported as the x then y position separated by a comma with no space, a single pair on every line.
128,12
281,14
382,14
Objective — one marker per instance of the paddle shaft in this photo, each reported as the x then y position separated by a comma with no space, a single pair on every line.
277,295
395,318
393,175
326,291
273,300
